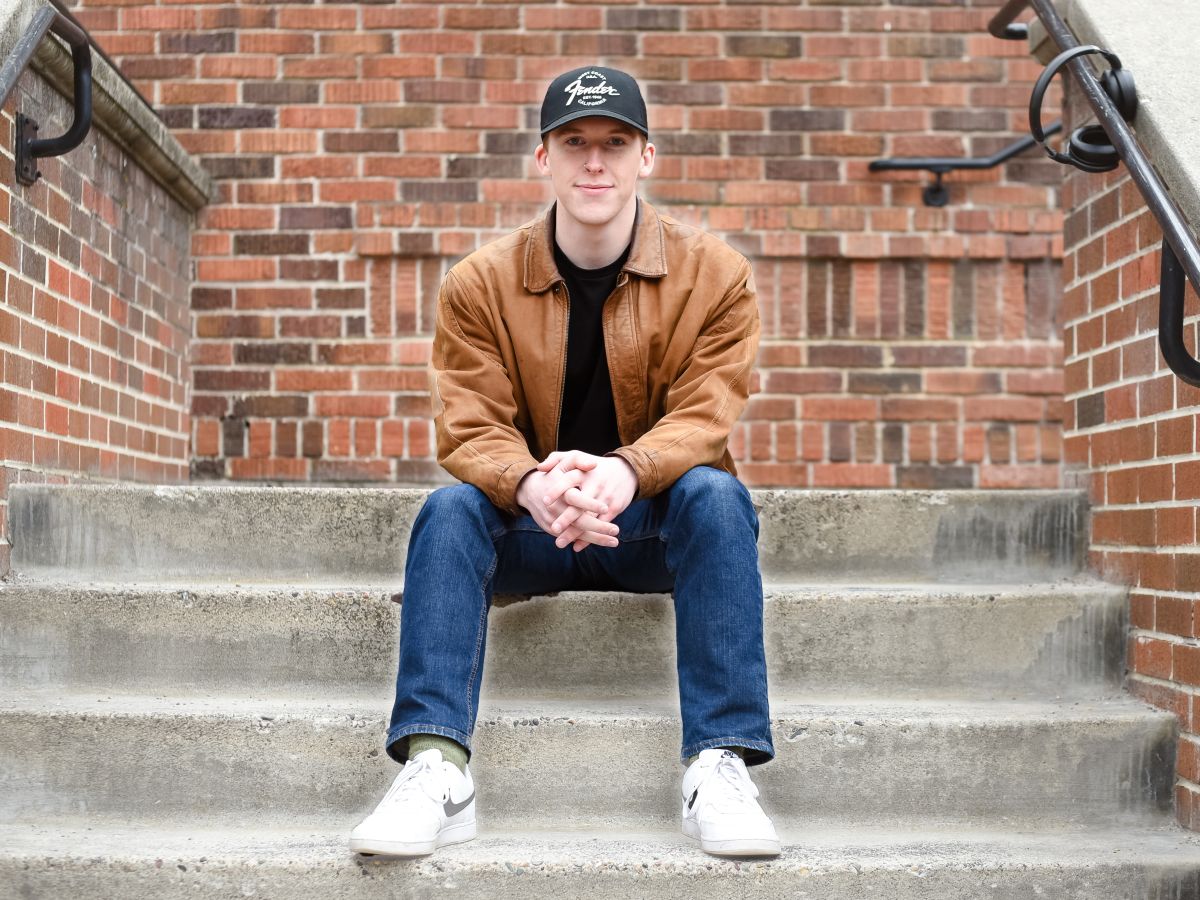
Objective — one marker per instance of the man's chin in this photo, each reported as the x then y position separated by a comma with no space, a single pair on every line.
596,213
593,216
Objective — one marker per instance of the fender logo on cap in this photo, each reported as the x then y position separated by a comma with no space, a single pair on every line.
590,94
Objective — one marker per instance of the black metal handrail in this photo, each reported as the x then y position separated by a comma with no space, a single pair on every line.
1002,25
936,194
1180,251
29,148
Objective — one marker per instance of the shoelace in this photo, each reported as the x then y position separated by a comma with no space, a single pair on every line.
416,776
736,788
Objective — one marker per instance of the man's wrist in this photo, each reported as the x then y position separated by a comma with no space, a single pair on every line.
521,484
631,469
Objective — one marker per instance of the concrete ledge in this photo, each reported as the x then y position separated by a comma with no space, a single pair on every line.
915,641
346,537
22,27
118,110
1156,40
47,862
591,764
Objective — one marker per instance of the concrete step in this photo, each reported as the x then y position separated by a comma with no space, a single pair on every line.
357,536
48,861
906,640
600,764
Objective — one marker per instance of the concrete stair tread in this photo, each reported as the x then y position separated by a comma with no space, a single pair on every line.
1116,707
1079,585
331,535
315,864
1022,764
900,640
806,850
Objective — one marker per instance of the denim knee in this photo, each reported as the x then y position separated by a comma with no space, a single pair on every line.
458,509
715,489
453,501
711,503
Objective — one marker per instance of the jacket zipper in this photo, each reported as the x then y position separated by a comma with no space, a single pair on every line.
609,357
562,394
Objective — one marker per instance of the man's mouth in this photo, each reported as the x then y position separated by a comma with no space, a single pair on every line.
593,188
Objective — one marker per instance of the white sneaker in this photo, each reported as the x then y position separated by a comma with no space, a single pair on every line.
430,804
719,808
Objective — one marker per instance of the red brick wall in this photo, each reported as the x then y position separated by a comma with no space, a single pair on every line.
362,149
1131,439
94,323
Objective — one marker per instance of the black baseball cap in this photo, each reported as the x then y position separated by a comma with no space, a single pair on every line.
594,91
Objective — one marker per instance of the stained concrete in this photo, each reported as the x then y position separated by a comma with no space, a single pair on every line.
904,640
599,763
824,864
359,536
199,709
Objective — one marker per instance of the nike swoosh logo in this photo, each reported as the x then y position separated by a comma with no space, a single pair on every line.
692,801
453,809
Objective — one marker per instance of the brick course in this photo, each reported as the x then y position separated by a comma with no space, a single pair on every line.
362,150
94,325
1131,440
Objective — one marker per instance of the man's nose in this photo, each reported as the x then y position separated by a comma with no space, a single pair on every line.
594,161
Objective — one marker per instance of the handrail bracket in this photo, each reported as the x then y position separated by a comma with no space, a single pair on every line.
27,170
29,147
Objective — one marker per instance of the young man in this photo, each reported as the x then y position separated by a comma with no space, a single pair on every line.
614,345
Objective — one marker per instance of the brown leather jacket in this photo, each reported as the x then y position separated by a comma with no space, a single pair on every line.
681,333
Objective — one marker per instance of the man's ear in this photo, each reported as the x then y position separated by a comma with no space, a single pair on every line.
647,160
541,158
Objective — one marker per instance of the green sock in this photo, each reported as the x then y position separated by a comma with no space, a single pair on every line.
452,750
740,751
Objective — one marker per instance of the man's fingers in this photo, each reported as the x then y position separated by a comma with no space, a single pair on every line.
573,536
588,522
560,483
577,459
584,521
550,461
567,460
565,518
578,498
590,529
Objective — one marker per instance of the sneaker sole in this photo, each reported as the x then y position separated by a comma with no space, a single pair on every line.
733,846
741,847
455,834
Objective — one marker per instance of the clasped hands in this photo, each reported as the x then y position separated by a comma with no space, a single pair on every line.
575,496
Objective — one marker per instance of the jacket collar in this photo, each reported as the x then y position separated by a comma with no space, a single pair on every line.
647,257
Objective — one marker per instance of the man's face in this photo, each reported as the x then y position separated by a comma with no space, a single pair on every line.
594,164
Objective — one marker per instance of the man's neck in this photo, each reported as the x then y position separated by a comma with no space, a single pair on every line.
594,246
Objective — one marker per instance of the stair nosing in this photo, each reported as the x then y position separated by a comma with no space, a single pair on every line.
1115,707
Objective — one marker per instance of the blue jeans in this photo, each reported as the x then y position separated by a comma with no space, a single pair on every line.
697,540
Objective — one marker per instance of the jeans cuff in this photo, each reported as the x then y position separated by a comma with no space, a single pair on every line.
757,752
395,734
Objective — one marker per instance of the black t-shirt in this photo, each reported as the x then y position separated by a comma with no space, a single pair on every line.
589,418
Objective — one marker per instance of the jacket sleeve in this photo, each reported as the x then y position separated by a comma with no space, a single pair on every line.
474,410
707,396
